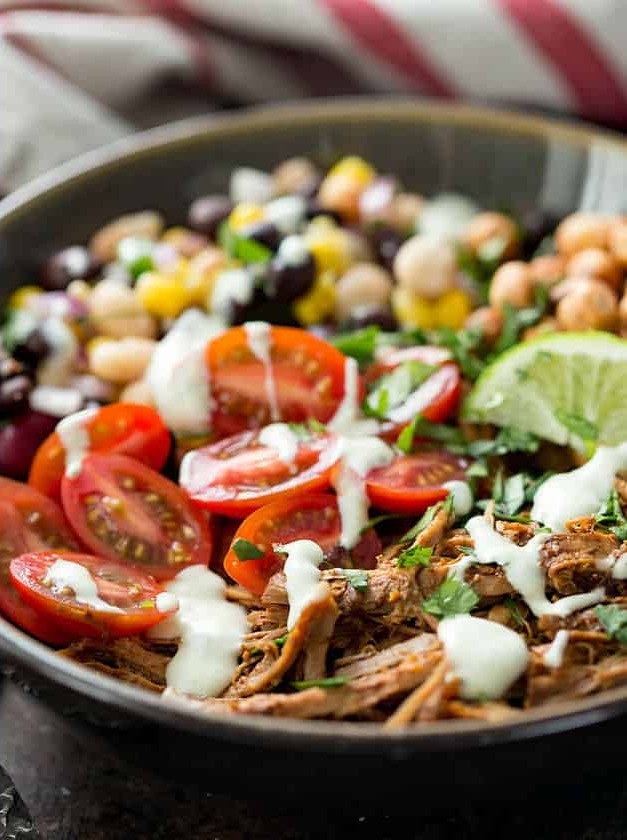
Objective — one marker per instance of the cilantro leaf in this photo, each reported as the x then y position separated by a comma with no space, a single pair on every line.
281,640
392,389
451,598
514,611
417,555
326,682
358,578
240,247
464,346
360,344
614,621
515,321
246,550
507,440
612,517
427,518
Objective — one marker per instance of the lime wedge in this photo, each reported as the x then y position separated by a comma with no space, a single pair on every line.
569,388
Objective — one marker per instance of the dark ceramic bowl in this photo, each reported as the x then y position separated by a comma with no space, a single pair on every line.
502,161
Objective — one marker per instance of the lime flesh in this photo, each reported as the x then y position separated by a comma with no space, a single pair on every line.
533,385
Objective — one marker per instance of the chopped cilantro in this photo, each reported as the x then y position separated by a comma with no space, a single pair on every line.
480,266
517,320
417,555
240,247
246,550
359,344
514,611
507,440
327,682
464,346
392,389
611,516
614,621
427,518
281,640
358,578
451,598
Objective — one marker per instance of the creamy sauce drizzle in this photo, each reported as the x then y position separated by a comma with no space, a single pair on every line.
522,568
580,492
486,656
178,375
347,420
554,656
302,576
282,439
64,575
359,456
58,366
210,630
286,213
293,251
462,496
259,336
234,286
74,437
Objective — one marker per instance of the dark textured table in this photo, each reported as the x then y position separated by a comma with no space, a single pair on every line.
77,787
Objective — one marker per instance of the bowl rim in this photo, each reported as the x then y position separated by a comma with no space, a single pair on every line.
269,732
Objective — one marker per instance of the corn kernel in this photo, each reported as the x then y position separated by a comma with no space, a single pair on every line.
319,303
162,294
96,342
356,168
452,309
413,311
245,214
330,250
202,273
20,297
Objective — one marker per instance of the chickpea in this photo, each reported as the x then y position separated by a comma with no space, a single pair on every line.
426,266
138,392
187,242
405,211
547,270
146,225
596,263
489,320
546,325
485,227
363,285
357,246
122,361
341,192
511,284
580,231
589,305
617,240
293,175
116,312
79,290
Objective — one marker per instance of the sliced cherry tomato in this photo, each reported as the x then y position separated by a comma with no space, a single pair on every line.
29,522
392,357
309,517
410,483
129,591
134,430
303,378
125,511
239,474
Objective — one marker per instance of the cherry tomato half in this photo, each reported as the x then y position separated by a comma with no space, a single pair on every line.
131,593
125,511
410,483
303,377
392,357
304,517
133,430
29,522
239,474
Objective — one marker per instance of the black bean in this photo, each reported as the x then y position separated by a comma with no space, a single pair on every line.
266,233
310,189
32,350
286,282
536,225
385,243
380,317
314,209
73,263
207,213
261,308
14,395
20,439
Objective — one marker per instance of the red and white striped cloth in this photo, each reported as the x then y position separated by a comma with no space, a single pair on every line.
74,75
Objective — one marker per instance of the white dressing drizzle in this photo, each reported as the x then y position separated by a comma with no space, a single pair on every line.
522,568
302,576
554,656
462,496
64,575
281,438
210,630
293,251
286,212
359,456
347,420
486,656
580,492
178,375
236,285
619,567
74,438
166,602
259,335
250,185
58,366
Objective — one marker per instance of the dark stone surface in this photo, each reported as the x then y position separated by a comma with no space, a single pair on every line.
78,787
